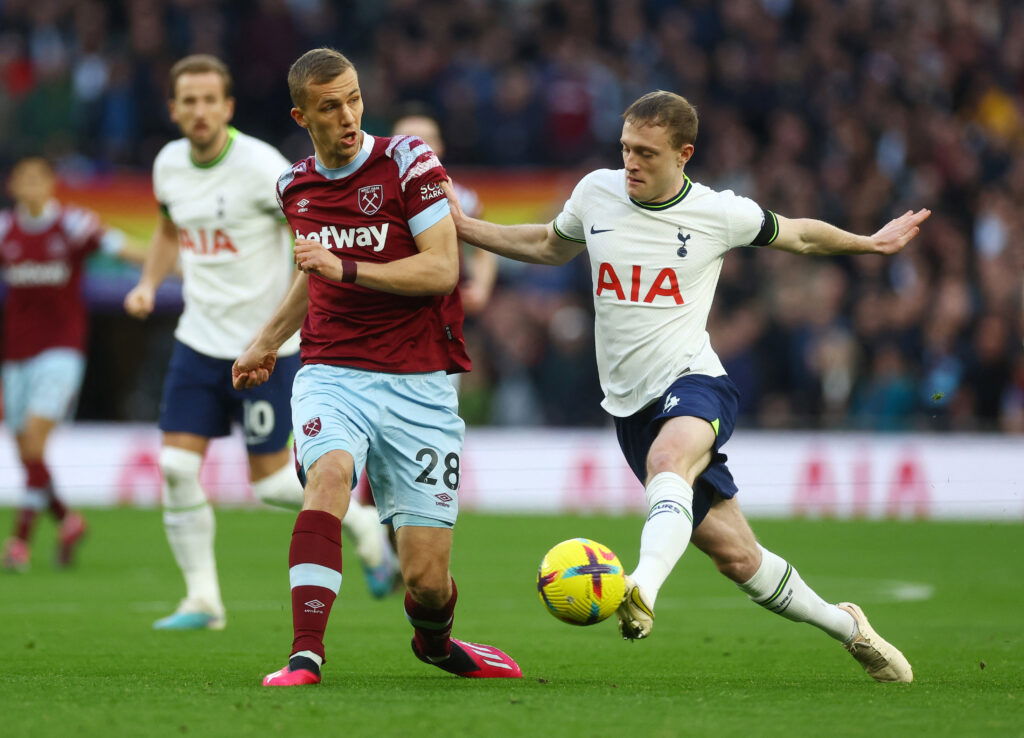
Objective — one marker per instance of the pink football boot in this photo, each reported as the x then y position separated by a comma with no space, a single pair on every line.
474,661
299,672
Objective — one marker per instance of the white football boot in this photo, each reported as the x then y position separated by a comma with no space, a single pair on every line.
636,617
881,660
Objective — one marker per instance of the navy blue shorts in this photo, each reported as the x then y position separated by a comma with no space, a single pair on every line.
715,399
198,398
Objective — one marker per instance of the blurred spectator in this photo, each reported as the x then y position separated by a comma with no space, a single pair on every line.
852,111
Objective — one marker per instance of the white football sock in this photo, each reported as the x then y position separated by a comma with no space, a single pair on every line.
280,489
666,532
283,489
777,586
191,534
190,527
362,523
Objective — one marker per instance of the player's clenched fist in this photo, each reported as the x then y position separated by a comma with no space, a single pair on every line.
139,302
253,368
311,257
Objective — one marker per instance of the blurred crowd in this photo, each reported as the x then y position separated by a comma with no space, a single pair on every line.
851,111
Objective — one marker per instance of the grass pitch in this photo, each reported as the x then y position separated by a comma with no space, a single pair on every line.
79,658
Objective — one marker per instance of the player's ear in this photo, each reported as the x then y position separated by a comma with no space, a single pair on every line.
298,117
685,153
230,102
170,110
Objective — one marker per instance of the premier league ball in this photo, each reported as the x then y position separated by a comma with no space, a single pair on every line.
581,582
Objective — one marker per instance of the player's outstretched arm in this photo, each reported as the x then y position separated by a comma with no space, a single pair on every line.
535,243
160,261
808,236
257,362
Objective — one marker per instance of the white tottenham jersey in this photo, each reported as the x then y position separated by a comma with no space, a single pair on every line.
236,250
655,268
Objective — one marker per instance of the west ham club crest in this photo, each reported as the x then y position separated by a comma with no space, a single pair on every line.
312,427
370,198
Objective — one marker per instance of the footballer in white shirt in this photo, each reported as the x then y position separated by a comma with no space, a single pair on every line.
656,241
220,218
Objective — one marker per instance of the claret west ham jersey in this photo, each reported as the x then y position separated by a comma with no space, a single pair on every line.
42,260
655,268
370,210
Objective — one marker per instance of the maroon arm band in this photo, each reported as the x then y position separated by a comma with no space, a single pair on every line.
349,269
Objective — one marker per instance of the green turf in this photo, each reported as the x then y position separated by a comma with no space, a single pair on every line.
77,656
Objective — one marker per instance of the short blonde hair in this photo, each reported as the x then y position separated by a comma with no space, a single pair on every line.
317,66
200,64
661,108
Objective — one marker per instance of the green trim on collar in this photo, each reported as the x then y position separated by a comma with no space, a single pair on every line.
232,133
668,203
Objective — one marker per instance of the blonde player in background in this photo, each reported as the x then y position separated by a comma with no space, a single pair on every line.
656,242
219,211
480,268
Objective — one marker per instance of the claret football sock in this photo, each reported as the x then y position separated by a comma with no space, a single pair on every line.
25,520
433,627
38,479
778,587
314,561
666,533
37,497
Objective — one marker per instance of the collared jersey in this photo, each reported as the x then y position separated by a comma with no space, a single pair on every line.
236,254
42,259
372,209
655,268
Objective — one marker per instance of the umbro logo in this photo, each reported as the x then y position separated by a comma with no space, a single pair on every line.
594,231
681,251
443,499
303,205
316,607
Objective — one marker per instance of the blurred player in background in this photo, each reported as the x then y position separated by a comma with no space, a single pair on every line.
481,267
381,327
656,242
43,247
215,187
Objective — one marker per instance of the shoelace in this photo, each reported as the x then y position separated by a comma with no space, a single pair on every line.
866,653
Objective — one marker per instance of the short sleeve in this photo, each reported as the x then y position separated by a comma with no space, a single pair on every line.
469,201
568,224
82,228
158,189
420,174
749,223
269,165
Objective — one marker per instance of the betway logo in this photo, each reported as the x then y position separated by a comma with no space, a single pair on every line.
37,273
331,237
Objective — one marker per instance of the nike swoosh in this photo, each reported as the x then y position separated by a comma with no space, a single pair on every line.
634,595
594,231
